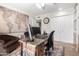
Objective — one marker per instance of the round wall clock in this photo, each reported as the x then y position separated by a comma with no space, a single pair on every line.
46,20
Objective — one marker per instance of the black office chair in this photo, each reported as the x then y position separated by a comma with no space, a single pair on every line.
50,43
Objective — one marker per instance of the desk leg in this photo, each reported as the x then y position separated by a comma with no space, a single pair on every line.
21,49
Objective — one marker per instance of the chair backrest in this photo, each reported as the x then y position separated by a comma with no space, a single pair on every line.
50,36
50,39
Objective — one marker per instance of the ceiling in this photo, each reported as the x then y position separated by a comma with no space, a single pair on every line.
32,10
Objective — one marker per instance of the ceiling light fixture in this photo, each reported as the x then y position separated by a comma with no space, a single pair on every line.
40,5
43,5
60,9
61,13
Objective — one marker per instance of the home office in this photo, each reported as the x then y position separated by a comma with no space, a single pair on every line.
39,29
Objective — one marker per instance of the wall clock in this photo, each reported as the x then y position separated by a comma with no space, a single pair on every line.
46,20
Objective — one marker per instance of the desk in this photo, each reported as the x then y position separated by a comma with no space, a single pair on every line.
37,47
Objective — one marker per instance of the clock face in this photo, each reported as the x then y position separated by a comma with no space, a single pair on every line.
46,20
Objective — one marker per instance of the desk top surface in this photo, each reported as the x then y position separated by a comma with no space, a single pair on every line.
37,41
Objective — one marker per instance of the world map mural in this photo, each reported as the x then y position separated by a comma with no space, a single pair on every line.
12,21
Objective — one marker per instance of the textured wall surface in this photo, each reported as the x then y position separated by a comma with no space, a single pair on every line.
12,21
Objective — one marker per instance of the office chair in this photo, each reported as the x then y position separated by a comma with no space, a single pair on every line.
49,44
